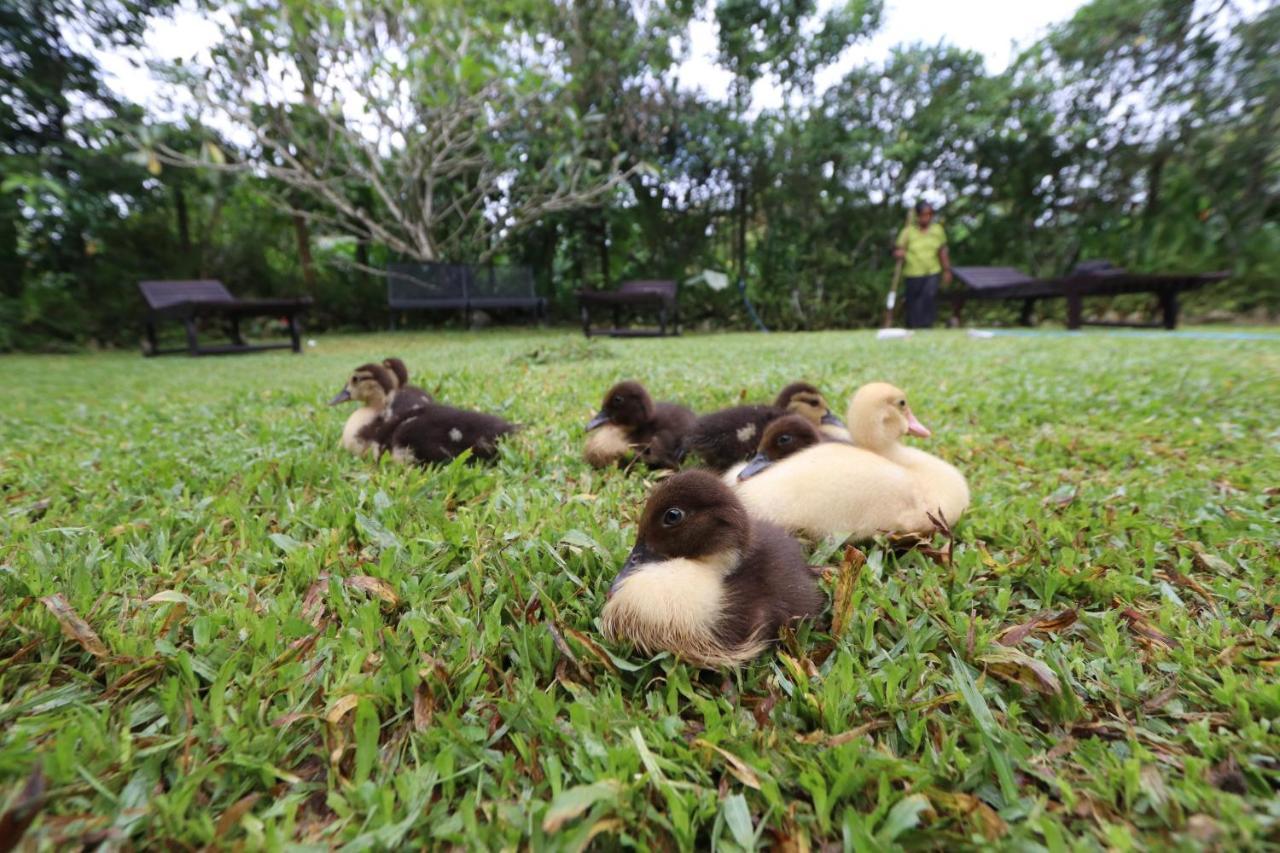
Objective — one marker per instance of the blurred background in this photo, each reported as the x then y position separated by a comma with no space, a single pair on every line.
298,146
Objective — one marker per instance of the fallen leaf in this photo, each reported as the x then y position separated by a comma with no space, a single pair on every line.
1155,703
342,707
231,817
1210,562
74,627
1040,624
1145,630
423,707
373,586
846,581
572,802
170,596
961,804
19,815
739,768
1021,668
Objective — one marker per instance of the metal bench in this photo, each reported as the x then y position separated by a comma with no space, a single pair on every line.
648,296
1090,278
189,302
454,287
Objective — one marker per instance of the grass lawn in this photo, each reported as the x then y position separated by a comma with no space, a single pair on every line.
216,626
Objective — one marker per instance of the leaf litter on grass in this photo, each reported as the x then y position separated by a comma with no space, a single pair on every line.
229,632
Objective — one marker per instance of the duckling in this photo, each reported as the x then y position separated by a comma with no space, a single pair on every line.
706,582
371,385
786,436
879,417
434,432
405,398
730,436
855,490
629,421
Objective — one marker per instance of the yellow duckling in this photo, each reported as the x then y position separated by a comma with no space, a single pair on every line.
876,487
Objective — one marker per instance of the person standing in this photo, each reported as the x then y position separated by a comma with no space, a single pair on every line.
922,247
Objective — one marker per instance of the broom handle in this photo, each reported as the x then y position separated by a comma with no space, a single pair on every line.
892,299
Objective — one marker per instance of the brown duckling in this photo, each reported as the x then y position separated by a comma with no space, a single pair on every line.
706,582
729,436
629,421
405,398
787,435
434,432
371,385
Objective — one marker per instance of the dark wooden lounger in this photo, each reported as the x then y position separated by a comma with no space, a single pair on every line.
1093,278
190,301
459,287
657,297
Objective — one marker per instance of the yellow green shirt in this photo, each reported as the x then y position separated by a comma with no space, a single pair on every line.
922,249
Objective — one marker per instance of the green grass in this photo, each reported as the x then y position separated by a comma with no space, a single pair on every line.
293,646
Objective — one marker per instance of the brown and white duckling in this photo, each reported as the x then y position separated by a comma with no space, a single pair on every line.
730,436
706,582
833,488
370,385
784,437
629,420
434,432
405,398
879,417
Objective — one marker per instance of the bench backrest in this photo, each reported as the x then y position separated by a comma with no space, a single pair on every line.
162,294
502,281
1096,267
416,282
665,289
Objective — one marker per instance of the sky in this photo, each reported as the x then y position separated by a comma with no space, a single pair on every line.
994,28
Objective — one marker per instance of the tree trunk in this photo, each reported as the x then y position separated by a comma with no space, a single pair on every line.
303,235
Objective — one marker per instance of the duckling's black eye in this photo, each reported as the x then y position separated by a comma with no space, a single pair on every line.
902,404
617,400
355,380
784,439
672,517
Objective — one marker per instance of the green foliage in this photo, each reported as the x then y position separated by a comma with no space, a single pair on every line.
218,628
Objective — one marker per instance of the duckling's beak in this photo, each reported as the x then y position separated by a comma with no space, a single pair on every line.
635,560
914,427
598,421
831,420
343,396
757,464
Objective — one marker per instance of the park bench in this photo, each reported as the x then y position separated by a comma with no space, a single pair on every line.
460,287
1090,278
190,302
655,297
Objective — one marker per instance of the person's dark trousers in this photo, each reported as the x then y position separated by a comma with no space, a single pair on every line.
922,301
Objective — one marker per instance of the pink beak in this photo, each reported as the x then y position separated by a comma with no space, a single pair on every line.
914,427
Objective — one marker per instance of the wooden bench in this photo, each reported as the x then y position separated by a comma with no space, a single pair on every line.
649,296
460,287
1091,278
189,302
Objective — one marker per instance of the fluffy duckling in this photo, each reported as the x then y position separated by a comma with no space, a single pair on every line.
786,436
856,490
705,582
879,417
629,421
730,436
371,385
434,432
405,398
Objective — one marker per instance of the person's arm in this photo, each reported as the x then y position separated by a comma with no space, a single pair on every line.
945,258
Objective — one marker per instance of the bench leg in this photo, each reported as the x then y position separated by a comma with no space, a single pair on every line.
1028,306
152,347
391,320
236,337
1075,310
957,310
662,321
295,333
586,321
1169,308
193,345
